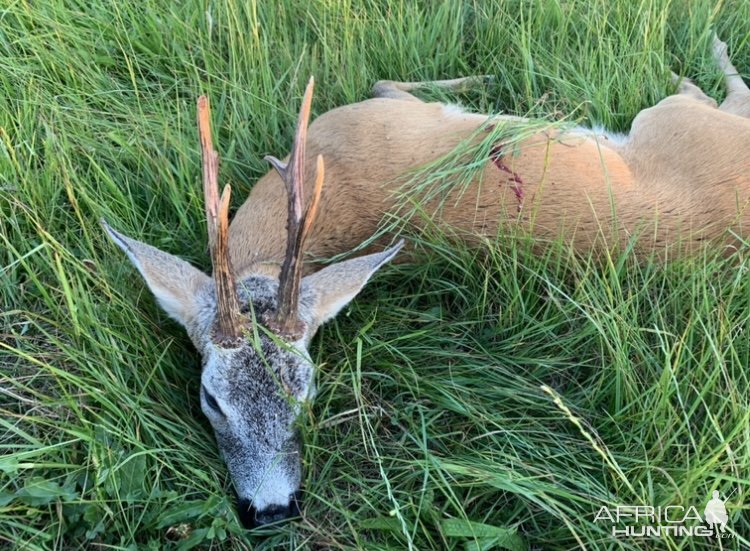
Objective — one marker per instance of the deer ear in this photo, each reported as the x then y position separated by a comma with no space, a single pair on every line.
335,286
173,281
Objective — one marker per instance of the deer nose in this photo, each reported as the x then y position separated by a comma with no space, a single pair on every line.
253,518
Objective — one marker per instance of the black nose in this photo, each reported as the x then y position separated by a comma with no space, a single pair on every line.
252,517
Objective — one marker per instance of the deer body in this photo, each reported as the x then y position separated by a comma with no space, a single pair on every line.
679,179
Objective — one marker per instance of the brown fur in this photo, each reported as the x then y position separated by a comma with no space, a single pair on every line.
680,179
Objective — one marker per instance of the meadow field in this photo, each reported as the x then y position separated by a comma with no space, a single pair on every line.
474,400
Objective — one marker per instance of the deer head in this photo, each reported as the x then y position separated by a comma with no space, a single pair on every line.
253,335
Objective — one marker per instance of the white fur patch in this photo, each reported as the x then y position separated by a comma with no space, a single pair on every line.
274,489
601,134
452,109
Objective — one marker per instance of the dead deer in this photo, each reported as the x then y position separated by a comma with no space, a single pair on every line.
684,164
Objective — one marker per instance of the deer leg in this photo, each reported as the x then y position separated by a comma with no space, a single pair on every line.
737,101
402,90
686,87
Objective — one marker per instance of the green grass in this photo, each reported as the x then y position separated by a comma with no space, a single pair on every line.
431,425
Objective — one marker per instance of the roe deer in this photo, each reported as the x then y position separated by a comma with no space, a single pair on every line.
684,163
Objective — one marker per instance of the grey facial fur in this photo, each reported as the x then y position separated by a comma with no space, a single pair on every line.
258,388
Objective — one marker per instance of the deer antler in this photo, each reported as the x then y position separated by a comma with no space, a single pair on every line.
286,321
228,328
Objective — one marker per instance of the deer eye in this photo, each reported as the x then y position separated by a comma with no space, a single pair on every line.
211,402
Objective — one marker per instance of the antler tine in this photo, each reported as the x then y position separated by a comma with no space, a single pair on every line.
292,173
228,329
